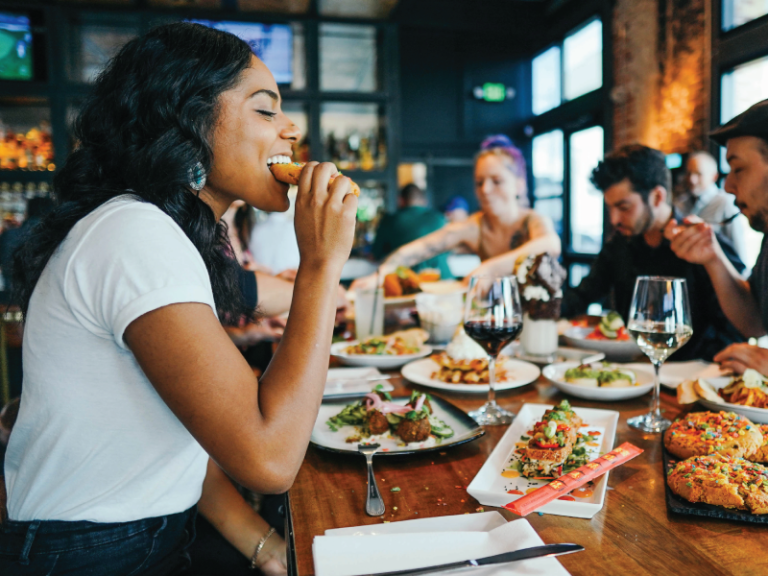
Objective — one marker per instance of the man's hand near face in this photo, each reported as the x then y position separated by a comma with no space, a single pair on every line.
694,241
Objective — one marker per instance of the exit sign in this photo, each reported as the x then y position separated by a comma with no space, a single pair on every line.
493,92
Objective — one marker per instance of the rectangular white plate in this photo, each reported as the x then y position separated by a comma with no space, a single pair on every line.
414,545
482,522
489,487
345,385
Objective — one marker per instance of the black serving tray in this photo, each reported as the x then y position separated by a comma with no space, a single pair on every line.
678,505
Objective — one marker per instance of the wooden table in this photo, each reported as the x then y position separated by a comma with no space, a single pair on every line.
632,534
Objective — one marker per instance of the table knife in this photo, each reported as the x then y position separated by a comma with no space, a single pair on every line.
524,554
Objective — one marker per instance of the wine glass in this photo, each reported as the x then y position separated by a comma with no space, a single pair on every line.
493,318
660,322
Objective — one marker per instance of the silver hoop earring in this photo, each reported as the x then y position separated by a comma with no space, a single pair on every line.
196,176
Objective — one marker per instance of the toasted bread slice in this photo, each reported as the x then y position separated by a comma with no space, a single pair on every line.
706,391
686,394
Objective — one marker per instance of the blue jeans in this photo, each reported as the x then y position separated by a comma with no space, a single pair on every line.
152,546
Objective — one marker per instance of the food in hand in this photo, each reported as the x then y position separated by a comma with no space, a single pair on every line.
402,282
465,362
749,389
395,344
722,481
702,433
611,327
377,414
555,445
289,172
599,375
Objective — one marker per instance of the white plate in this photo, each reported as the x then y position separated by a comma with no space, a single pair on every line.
556,374
561,354
465,430
351,382
383,361
443,287
757,415
426,542
519,374
673,373
489,487
618,350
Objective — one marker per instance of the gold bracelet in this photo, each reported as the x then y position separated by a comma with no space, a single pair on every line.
259,546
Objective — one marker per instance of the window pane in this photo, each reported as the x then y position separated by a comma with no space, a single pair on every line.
583,60
548,165
738,12
586,201
546,80
577,273
353,136
552,207
743,86
348,58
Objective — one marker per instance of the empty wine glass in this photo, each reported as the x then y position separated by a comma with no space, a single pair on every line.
660,322
493,318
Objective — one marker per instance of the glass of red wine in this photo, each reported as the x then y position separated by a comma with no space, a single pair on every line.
493,318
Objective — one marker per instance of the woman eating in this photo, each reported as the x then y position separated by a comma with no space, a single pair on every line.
131,385
499,233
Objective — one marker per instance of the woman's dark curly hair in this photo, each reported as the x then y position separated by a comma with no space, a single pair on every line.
148,120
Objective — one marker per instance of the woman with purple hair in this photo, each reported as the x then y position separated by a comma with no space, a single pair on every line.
501,232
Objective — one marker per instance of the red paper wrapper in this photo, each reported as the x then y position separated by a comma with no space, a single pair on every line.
575,478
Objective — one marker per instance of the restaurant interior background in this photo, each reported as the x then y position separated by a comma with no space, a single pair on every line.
395,91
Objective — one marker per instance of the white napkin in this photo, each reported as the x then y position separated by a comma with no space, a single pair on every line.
343,381
352,555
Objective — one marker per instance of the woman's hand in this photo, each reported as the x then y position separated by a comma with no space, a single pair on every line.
325,217
272,559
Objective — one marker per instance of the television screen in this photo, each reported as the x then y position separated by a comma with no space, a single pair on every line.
15,47
272,43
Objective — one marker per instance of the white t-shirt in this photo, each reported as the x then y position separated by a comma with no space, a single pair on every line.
93,439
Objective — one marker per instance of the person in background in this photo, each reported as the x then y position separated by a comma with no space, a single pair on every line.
456,209
500,233
136,405
704,199
272,244
745,302
12,238
635,182
413,219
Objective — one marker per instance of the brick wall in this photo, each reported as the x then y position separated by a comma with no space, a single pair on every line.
661,73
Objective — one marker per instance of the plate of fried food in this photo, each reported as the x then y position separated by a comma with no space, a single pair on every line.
714,463
403,425
599,380
463,367
746,394
391,351
610,337
543,443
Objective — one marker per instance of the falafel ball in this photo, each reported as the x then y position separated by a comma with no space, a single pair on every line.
377,422
414,430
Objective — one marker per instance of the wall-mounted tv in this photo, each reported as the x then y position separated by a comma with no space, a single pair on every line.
272,43
15,47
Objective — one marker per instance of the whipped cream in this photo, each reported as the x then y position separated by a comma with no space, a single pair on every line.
536,293
462,347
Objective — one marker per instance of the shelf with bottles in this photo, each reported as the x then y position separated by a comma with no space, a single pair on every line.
25,135
15,195
354,135
370,209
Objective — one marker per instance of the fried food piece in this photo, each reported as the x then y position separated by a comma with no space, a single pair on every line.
725,433
289,174
722,481
392,286
377,422
414,430
762,453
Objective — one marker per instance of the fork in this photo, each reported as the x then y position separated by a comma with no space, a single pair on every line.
374,505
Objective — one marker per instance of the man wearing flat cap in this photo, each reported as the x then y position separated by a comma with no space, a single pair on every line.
745,302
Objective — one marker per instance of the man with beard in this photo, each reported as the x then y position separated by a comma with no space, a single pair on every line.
635,182
745,302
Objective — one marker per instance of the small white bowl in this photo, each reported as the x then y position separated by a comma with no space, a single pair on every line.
555,373
383,361
617,350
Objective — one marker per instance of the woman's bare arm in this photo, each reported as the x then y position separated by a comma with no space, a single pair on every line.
257,431
446,238
275,294
223,506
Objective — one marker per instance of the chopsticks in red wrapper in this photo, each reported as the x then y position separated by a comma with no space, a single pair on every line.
575,478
